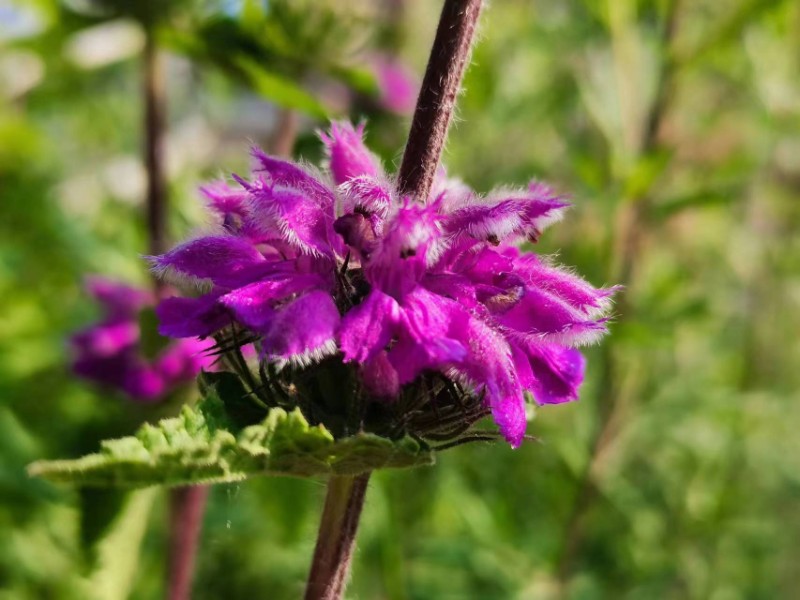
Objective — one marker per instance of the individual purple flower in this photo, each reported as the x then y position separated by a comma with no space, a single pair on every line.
397,85
110,353
412,293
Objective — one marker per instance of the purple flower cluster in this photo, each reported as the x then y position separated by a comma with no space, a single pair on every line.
109,352
317,264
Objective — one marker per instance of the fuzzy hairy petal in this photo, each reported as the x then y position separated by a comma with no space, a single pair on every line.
191,317
557,372
544,316
504,214
367,328
427,335
302,331
347,155
300,221
571,288
218,258
275,172
253,305
366,194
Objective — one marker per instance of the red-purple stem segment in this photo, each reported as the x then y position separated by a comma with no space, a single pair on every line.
437,97
186,508
337,536
186,505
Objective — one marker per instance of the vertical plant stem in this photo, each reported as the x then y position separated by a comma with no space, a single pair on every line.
154,124
437,97
435,105
285,136
186,508
186,505
337,535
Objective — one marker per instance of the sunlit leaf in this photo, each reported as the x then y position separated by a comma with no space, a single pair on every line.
199,446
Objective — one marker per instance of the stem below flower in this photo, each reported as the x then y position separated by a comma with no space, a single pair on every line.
186,509
336,538
437,97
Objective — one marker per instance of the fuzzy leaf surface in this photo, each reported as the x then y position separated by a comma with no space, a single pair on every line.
202,446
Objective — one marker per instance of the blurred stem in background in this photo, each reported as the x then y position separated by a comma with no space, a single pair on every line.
448,60
186,505
631,223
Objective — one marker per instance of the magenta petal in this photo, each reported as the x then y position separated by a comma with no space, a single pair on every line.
368,328
397,85
489,365
427,334
303,331
504,219
144,382
366,194
558,372
509,414
402,257
348,157
191,317
216,258
254,305
182,360
228,203
544,316
118,299
106,339
570,288
276,172
300,222
380,377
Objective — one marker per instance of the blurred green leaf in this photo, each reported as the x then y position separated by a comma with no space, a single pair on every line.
279,89
150,341
99,509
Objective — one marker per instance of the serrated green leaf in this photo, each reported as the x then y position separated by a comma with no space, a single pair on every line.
193,448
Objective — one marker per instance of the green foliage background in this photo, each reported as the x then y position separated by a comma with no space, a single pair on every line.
677,475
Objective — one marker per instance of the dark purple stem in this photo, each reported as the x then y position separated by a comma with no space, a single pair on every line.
154,124
337,535
186,504
186,508
437,97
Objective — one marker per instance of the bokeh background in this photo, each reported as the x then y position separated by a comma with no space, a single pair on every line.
674,126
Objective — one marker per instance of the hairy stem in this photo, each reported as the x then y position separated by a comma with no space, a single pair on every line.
186,508
337,535
437,97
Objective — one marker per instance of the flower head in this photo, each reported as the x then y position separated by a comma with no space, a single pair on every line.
424,302
110,352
